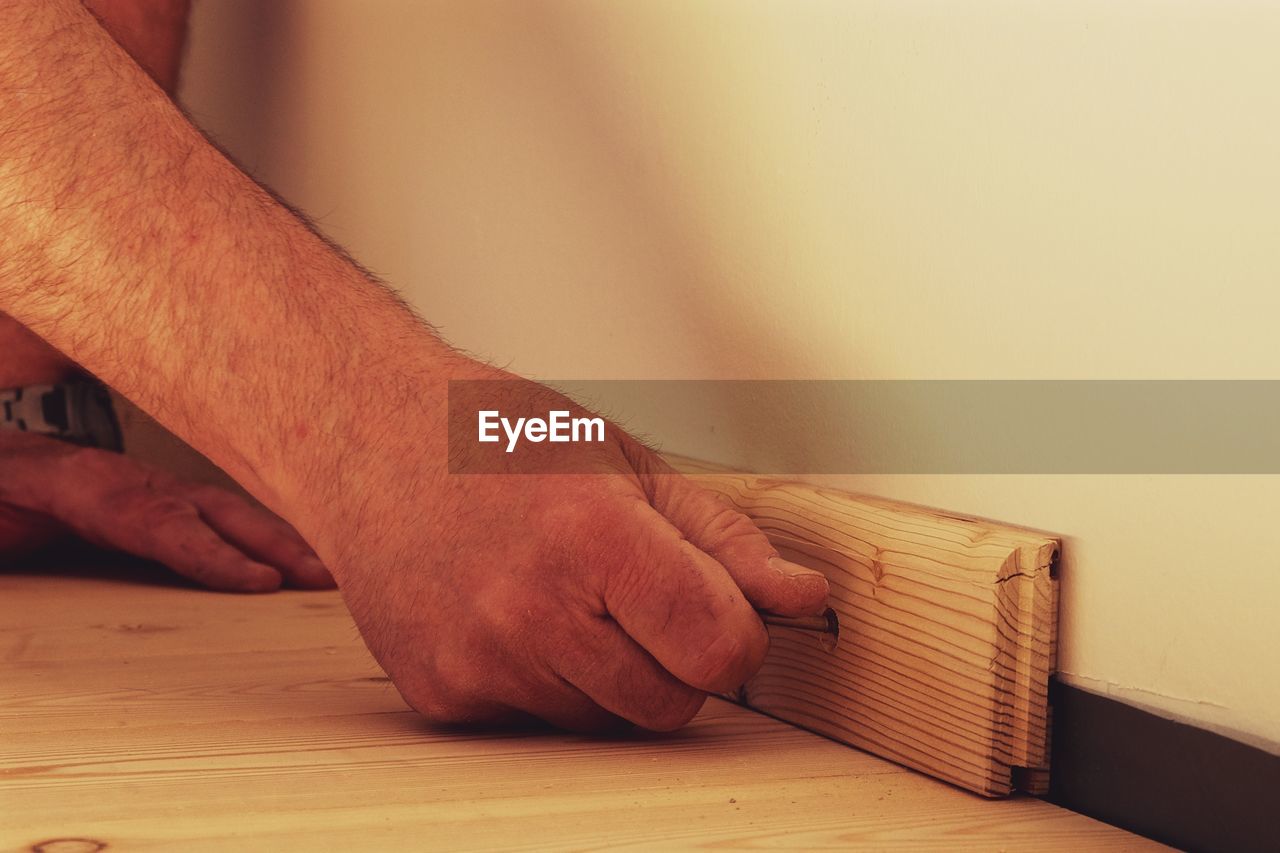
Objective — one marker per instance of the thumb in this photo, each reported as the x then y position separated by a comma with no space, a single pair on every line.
712,525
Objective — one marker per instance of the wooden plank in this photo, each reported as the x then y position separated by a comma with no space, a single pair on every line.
947,640
146,717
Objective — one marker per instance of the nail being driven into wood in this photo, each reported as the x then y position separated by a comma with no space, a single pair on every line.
827,624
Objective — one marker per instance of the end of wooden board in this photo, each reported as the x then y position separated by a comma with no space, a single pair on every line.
948,632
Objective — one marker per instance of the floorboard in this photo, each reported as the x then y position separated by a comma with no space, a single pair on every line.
145,716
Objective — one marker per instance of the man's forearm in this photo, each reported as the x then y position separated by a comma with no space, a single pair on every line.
152,32
133,245
136,248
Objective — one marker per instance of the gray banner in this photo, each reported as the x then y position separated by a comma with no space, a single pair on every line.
939,426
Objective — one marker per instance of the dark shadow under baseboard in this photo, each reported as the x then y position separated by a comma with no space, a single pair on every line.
1169,781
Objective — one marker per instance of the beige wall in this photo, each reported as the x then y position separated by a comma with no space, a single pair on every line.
838,190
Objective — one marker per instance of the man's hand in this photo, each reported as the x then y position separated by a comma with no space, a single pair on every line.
49,488
584,599
137,249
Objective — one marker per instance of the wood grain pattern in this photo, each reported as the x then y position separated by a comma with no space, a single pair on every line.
154,717
947,636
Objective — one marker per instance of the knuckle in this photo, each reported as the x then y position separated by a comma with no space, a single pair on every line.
444,704
671,710
596,720
729,661
729,533
460,685
726,522
508,614
158,508
438,709
456,713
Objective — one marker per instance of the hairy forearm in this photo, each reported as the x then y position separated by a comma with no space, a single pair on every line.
134,246
152,32
139,250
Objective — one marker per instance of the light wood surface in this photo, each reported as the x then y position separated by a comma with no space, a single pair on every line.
947,639
146,717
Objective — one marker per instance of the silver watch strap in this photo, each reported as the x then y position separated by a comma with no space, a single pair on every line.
78,412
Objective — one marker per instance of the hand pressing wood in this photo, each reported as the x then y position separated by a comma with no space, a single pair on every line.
947,632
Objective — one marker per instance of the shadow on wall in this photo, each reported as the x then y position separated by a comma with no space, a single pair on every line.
509,154
660,89
236,47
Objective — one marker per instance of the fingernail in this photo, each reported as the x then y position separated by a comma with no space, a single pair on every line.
796,572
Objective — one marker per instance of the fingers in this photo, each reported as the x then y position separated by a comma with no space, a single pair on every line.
680,604
768,581
169,530
562,706
204,533
261,535
618,680
566,707
591,677
459,684
23,532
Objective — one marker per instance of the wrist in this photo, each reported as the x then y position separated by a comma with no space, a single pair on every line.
379,427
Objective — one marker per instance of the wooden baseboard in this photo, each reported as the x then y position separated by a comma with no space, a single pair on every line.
947,632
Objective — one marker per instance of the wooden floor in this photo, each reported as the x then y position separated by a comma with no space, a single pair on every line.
142,716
